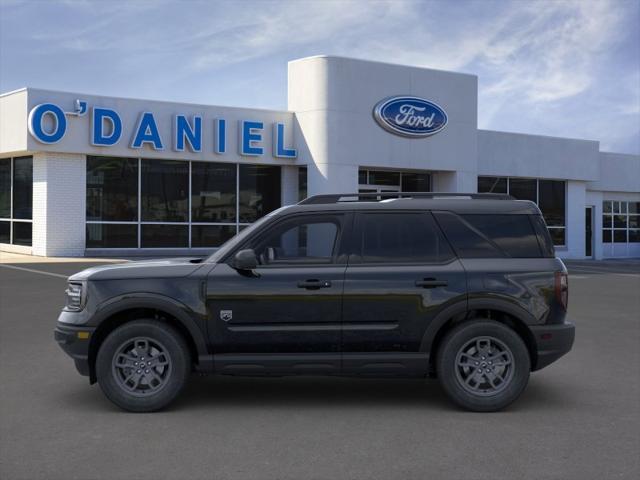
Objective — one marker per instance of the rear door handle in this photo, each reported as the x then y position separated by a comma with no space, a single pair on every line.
431,283
314,284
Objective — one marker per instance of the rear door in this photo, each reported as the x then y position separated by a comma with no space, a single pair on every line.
401,274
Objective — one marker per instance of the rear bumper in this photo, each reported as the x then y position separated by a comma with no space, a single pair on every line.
553,341
74,340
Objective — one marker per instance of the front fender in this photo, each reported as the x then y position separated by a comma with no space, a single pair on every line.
183,314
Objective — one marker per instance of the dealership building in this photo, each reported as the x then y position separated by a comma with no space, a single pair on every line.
89,175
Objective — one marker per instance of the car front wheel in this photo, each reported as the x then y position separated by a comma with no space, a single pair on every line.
483,365
143,365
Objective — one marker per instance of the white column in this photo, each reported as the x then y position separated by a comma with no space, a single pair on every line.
331,178
59,204
576,202
459,181
289,182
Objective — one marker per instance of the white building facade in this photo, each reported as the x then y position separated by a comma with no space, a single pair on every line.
88,175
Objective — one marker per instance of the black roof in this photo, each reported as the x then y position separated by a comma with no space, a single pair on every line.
454,202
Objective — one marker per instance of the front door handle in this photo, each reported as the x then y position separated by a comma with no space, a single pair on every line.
431,283
314,284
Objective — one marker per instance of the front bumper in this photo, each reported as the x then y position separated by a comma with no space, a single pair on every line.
553,341
74,340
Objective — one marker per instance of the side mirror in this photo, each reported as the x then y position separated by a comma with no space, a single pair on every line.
245,260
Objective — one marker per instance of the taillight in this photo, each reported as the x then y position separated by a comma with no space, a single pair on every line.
562,288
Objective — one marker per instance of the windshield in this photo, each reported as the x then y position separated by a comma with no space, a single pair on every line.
233,242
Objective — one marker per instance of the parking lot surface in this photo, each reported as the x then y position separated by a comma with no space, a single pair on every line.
578,418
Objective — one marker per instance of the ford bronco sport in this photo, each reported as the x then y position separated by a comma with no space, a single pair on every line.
463,287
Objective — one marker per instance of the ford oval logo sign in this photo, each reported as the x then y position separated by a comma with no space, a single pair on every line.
410,116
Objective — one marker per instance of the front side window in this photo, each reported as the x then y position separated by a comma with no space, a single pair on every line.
401,238
303,240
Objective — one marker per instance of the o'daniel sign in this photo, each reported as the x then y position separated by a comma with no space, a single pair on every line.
410,116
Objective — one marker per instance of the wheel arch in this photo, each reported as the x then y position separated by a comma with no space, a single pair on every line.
500,310
122,310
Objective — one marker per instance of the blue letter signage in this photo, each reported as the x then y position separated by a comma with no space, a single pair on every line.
250,134
147,132
36,117
410,116
191,133
98,136
184,131
278,143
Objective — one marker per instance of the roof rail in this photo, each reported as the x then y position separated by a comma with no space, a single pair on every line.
377,197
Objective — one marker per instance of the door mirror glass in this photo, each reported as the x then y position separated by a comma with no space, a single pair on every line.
245,260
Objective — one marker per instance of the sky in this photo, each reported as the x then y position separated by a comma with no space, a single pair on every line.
555,67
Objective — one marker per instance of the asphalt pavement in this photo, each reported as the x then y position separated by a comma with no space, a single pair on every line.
578,419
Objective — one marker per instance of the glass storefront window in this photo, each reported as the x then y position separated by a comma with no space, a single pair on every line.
416,182
260,188
112,235
164,191
381,177
213,192
164,236
387,181
620,221
5,231
22,233
5,188
112,189
211,235
16,200
523,189
22,187
178,210
302,183
492,185
549,195
551,200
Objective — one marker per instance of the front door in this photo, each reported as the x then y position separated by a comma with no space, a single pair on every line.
289,306
401,274
588,233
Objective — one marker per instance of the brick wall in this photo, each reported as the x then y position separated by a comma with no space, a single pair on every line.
59,195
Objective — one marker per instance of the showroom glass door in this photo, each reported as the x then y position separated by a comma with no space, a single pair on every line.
588,231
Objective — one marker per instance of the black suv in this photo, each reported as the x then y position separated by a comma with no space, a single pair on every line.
465,287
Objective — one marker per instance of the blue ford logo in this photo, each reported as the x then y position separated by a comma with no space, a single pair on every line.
410,116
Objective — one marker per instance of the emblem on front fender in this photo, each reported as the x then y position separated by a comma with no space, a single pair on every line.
226,315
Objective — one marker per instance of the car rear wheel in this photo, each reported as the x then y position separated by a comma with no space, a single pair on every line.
483,365
143,365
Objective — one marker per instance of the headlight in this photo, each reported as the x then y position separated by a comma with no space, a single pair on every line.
75,297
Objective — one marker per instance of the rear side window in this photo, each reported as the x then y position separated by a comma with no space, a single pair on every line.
488,235
544,238
401,238
467,241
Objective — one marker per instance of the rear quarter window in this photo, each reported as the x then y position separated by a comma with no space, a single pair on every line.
489,235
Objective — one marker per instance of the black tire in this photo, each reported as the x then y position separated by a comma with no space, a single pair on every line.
468,349
121,365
